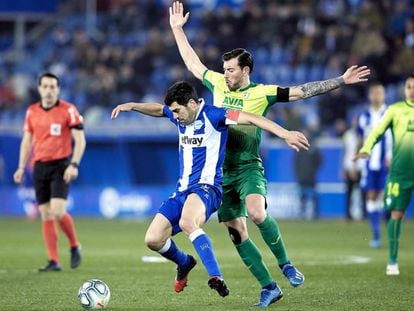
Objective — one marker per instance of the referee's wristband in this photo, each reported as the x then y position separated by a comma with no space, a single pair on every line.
74,164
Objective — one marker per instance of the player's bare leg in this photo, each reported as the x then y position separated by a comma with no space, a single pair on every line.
271,234
158,238
50,237
192,218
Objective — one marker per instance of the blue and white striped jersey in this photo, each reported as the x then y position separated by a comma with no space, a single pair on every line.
382,151
202,146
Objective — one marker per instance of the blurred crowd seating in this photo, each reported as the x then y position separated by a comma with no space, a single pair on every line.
131,54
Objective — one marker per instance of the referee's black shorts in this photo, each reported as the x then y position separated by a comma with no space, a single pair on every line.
48,180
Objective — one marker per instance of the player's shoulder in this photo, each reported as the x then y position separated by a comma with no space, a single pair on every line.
33,106
260,88
211,109
65,104
396,106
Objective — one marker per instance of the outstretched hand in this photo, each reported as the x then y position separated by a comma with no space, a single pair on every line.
122,107
355,74
296,141
360,156
177,17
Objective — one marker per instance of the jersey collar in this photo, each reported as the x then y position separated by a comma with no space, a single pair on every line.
409,103
252,84
47,109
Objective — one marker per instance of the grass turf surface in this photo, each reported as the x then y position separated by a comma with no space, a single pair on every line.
342,272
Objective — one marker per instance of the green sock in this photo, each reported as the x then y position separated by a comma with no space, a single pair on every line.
273,238
253,260
394,230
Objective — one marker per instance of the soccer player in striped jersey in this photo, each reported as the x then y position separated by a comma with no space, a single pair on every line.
202,133
399,187
375,169
244,182
50,127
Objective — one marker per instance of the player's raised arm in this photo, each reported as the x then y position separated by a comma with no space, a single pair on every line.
189,56
352,75
295,140
150,109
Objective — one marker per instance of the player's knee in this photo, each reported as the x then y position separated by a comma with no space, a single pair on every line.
397,215
234,235
257,215
153,242
187,225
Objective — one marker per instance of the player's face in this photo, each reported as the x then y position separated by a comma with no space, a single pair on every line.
184,114
49,91
376,95
409,89
234,75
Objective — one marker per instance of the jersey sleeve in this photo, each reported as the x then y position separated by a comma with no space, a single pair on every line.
27,127
75,118
220,118
212,78
168,113
270,91
377,133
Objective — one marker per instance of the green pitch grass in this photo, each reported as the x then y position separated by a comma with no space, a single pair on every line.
342,273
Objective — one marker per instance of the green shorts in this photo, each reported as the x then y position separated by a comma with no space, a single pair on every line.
397,193
236,186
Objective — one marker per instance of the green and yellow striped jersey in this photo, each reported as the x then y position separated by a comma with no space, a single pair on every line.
244,140
400,118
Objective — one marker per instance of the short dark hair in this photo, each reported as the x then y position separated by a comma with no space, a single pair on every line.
411,76
180,92
48,75
244,58
375,83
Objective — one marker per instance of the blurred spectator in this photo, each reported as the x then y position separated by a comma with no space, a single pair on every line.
351,173
295,41
307,164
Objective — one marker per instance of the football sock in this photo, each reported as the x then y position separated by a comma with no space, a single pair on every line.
253,260
68,228
394,230
173,253
375,221
273,238
202,245
50,236
374,217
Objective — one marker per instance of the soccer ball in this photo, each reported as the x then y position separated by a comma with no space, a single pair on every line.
94,294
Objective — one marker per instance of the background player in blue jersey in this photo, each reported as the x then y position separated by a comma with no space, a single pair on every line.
374,171
202,139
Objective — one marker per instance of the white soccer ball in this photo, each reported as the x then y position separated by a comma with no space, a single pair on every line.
94,294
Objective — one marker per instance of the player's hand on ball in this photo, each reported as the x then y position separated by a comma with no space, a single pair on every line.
355,74
177,17
296,140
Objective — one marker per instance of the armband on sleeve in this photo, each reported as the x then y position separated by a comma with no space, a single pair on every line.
282,94
232,116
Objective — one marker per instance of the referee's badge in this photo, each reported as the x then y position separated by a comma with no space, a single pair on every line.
246,95
55,129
